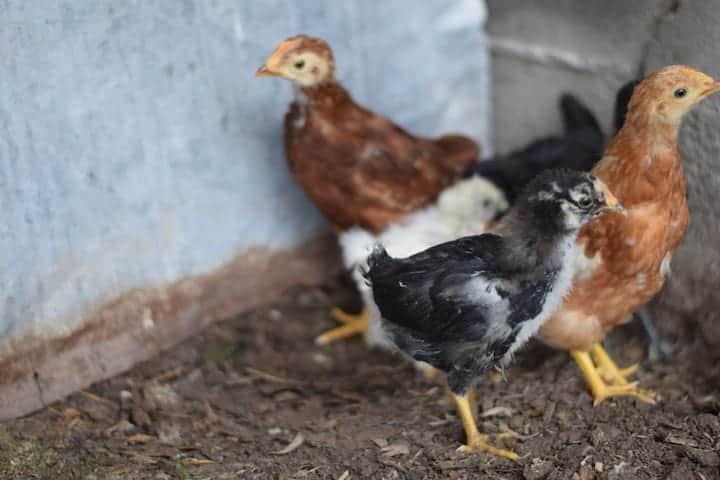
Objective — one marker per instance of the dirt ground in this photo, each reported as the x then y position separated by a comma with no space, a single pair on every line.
253,398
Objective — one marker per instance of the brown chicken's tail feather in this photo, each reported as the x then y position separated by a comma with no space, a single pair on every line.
461,151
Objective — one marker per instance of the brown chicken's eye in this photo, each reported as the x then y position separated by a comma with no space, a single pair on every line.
300,64
680,92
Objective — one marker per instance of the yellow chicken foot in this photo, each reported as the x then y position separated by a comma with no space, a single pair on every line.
352,325
602,391
608,369
473,401
477,441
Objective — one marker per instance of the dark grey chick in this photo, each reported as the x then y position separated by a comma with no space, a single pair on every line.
467,305
579,148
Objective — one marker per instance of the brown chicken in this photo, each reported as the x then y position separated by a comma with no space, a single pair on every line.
626,258
358,167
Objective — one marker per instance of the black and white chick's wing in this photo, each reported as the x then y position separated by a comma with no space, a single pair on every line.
460,306
466,305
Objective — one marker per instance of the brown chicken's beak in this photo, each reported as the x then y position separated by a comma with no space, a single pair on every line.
264,71
713,88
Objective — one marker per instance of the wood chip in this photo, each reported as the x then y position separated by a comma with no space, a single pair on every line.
497,412
294,445
71,413
380,442
395,449
97,398
345,475
680,441
329,425
415,457
268,376
122,426
196,461
74,423
139,438
169,375
210,413
140,417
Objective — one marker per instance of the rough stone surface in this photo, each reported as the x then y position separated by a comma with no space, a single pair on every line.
137,148
589,48
594,47
691,36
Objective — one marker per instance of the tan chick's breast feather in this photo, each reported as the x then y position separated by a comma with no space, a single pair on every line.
621,267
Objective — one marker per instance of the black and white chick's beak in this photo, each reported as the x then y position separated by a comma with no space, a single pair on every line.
612,204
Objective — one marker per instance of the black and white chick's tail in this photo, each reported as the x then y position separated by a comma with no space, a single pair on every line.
381,274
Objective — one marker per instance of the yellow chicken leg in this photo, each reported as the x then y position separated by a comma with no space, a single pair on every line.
477,441
601,390
608,369
352,325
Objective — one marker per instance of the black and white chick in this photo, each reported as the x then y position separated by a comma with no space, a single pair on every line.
465,306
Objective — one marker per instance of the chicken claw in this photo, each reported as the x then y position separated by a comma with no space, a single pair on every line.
352,325
600,390
608,369
477,441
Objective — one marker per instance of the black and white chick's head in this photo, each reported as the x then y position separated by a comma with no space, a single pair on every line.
560,200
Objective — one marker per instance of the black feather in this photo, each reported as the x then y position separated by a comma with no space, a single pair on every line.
622,100
579,148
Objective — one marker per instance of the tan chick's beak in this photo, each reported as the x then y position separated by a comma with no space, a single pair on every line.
713,88
264,71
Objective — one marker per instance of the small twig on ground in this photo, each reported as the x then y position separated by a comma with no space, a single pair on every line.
169,375
270,377
98,398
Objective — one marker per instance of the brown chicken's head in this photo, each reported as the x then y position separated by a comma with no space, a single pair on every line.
669,93
307,61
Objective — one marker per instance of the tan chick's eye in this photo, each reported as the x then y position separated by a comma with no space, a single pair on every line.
300,64
680,92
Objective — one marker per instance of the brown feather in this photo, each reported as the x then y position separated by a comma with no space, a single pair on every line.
361,169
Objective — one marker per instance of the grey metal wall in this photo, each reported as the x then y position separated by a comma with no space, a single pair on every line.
136,148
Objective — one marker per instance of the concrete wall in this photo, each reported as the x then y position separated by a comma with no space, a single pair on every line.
138,150
542,48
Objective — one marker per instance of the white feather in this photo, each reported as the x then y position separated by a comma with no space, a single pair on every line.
567,250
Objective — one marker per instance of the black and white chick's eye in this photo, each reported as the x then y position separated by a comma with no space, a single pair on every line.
585,202
300,64
680,92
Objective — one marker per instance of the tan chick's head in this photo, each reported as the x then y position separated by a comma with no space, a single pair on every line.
307,61
669,93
